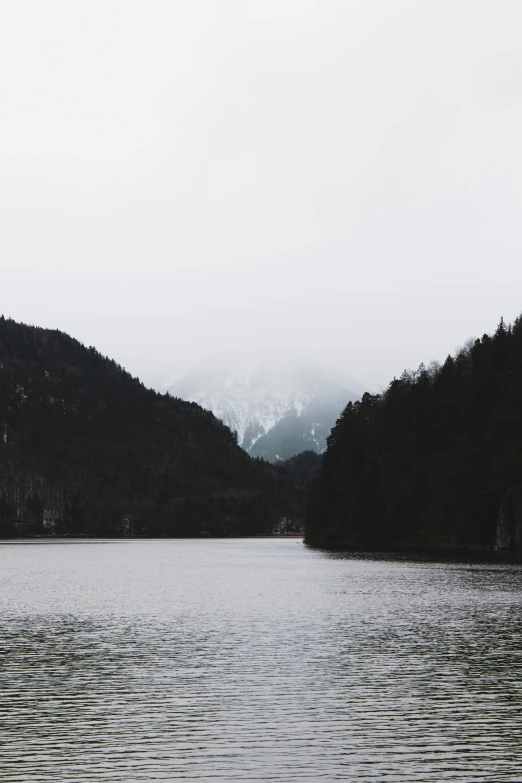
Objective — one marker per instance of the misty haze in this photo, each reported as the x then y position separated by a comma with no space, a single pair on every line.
277,406
260,391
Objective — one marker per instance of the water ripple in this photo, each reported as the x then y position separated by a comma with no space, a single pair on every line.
255,660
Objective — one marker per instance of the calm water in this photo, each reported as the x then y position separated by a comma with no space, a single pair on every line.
255,660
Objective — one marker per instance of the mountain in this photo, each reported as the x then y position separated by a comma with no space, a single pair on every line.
436,460
277,408
86,449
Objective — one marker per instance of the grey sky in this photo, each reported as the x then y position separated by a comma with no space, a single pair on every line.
340,177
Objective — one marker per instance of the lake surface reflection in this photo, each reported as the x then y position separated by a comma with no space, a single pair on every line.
258,660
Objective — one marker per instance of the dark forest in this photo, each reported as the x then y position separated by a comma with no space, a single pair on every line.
436,460
85,449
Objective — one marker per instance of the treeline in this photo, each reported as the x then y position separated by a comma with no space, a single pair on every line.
85,449
432,460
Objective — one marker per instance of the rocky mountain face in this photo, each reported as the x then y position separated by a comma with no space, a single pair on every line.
277,409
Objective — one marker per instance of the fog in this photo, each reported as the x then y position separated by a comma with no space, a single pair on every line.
339,179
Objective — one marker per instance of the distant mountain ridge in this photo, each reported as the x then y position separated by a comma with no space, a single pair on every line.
276,409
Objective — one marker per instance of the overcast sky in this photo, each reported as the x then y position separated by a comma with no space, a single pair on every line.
180,177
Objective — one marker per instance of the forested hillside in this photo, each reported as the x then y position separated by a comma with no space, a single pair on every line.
431,461
87,449
307,431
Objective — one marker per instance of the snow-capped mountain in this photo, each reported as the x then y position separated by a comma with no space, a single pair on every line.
277,408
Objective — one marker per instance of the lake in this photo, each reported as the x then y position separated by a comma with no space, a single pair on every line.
258,660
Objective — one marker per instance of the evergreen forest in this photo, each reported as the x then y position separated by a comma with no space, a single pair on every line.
86,449
435,460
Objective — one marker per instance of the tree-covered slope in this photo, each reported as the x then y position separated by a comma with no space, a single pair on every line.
87,449
432,459
295,433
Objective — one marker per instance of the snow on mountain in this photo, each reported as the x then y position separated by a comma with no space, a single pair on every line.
276,407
